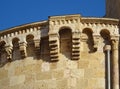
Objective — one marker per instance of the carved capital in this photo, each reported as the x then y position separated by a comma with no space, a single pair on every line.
22,46
76,35
115,42
37,43
115,38
107,48
53,36
83,37
96,39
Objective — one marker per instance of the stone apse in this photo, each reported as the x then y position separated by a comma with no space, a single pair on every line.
63,52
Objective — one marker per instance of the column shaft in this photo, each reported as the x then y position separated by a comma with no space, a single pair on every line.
115,66
108,68
107,48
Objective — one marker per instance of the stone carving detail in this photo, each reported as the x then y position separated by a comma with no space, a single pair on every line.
53,44
8,50
83,37
115,41
96,39
54,25
37,46
56,66
76,46
23,46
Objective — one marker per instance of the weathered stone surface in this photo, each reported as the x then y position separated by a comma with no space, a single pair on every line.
58,74
62,84
83,64
41,85
4,83
3,74
16,80
65,52
82,83
44,75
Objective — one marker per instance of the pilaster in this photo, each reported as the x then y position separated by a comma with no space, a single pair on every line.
75,45
54,46
37,46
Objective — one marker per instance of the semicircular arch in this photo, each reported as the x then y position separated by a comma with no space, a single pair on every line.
15,39
2,43
65,27
87,29
105,34
29,37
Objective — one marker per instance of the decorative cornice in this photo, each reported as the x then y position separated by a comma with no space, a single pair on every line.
51,28
100,20
66,19
26,26
64,16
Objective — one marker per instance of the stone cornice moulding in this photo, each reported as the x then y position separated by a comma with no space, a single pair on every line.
21,27
64,17
77,19
100,20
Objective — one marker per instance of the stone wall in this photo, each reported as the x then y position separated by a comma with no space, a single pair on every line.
65,52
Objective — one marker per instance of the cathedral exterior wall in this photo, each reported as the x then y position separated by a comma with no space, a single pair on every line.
64,52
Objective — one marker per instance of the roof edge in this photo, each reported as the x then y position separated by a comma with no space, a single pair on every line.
24,25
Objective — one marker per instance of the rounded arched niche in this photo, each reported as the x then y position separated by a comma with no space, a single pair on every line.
65,34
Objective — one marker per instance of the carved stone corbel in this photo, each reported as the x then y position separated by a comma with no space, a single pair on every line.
8,50
96,39
83,37
22,46
37,46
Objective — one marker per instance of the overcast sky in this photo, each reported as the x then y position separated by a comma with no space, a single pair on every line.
18,12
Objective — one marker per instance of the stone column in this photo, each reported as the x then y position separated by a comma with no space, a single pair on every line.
107,49
115,64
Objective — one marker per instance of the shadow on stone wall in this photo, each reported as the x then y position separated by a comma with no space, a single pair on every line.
44,49
89,39
65,42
